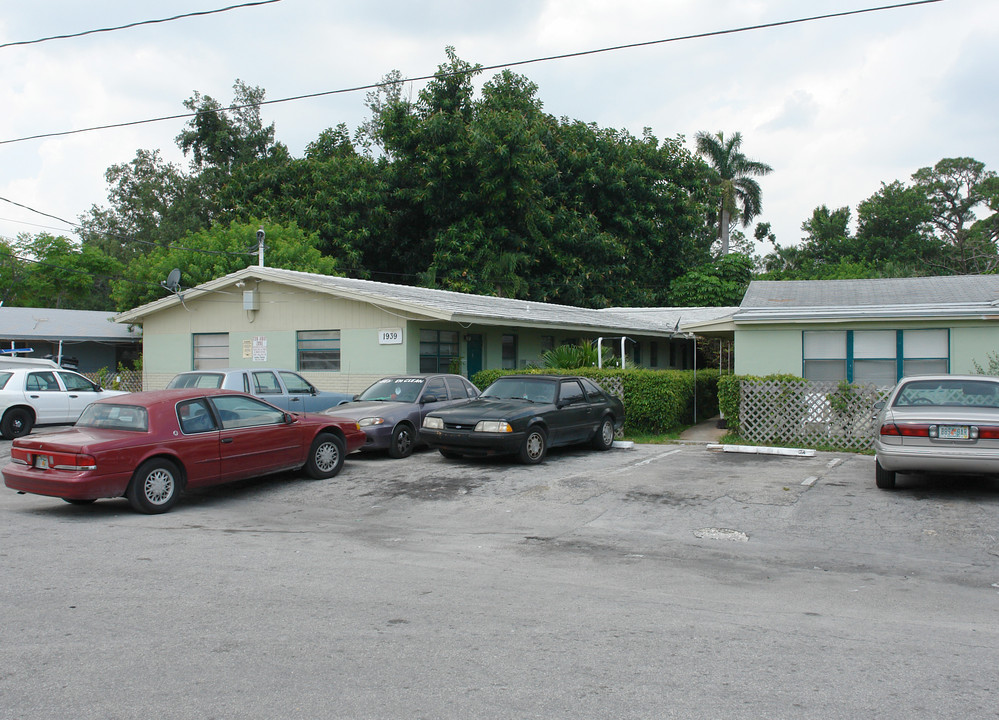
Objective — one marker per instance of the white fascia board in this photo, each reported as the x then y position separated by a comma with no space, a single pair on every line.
898,312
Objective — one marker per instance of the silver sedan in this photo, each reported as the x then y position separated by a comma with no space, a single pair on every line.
938,424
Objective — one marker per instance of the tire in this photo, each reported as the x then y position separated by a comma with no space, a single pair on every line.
450,455
884,479
75,501
325,457
604,438
403,441
155,487
534,447
17,422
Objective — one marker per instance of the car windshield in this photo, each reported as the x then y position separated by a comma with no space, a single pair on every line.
949,393
394,390
536,390
196,380
115,417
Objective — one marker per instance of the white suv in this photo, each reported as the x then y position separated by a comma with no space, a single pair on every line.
38,395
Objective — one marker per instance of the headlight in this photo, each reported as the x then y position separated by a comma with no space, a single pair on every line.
493,426
366,422
433,423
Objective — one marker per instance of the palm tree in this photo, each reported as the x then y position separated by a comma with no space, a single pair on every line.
733,174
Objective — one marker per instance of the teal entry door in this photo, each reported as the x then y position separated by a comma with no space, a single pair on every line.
474,354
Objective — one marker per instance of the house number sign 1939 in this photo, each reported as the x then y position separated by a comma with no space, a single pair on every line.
390,336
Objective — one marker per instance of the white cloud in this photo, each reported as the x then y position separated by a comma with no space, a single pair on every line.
836,107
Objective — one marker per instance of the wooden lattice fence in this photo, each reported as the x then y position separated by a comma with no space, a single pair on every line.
613,386
128,380
824,414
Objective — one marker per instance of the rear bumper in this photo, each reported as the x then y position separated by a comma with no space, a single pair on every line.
63,484
937,459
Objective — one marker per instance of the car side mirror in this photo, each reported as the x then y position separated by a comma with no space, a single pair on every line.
289,419
313,390
879,404
356,398
428,399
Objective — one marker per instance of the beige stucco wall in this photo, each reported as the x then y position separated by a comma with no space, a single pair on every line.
284,310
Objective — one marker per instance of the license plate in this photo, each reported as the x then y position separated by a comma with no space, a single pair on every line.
42,462
953,432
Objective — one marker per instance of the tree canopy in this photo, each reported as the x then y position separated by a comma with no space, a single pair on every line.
483,191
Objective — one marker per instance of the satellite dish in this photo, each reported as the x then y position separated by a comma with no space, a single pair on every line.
173,281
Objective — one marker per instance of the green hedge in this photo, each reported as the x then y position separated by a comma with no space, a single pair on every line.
655,401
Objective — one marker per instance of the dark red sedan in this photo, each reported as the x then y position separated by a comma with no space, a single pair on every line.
149,446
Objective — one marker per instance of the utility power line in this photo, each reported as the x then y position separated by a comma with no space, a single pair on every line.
137,24
480,68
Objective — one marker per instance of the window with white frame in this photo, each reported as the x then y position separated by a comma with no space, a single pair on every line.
211,351
925,352
823,355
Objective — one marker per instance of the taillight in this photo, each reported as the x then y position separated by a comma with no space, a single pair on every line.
905,429
75,462
988,432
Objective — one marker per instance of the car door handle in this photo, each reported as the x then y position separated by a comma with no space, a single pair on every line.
74,396
227,440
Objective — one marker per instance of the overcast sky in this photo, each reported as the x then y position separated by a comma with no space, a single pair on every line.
835,106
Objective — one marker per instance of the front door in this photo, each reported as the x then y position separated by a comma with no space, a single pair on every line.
474,352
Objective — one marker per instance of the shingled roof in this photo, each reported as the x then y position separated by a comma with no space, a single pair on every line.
20,323
419,303
951,296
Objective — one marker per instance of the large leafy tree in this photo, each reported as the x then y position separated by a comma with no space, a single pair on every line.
152,203
719,283
209,254
738,194
52,271
955,189
893,231
492,195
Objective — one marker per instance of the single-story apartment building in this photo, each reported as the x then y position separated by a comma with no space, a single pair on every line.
344,333
871,331
86,340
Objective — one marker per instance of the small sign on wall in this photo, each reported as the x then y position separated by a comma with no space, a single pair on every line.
259,348
390,336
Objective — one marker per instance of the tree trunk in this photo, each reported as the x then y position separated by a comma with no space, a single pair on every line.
723,231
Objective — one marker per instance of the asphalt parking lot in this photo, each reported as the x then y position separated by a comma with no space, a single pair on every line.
660,581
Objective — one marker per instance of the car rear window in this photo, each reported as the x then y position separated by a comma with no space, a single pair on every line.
948,393
107,416
196,380
4,377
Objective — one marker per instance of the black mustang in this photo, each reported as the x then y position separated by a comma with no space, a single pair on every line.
526,414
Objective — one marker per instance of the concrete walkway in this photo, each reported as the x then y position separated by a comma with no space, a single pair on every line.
704,432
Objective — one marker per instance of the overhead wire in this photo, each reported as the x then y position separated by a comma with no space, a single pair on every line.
480,68
137,24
